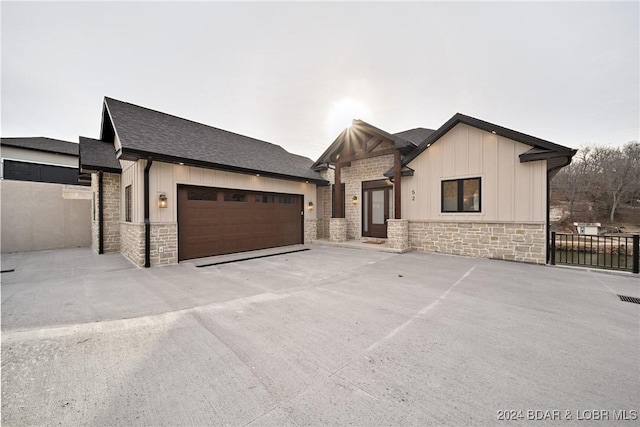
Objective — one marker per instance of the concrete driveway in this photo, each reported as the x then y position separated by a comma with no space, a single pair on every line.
328,336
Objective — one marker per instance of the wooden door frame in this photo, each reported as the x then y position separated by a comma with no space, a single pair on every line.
380,184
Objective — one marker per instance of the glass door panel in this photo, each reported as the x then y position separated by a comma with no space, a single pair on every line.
377,206
365,205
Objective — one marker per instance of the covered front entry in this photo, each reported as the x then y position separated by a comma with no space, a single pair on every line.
377,207
214,221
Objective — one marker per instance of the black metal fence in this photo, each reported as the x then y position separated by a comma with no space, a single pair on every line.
609,252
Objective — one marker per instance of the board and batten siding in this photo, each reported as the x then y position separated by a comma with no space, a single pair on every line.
511,191
165,177
132,174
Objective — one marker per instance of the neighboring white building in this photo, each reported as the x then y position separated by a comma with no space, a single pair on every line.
40,159
44,203
589,228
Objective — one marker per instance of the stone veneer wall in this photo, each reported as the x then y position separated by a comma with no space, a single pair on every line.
398,234
111,212
507,241
369,169
325,203
132,241
163,235
338,230
323,220
310,230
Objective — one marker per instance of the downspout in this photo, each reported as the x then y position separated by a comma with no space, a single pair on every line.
147,222
548,220
100,213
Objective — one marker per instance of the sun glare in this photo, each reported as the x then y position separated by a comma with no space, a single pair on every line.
343,112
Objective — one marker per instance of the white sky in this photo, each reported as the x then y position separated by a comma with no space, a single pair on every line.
295,73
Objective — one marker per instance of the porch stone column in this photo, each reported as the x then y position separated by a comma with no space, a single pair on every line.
398,234
338,230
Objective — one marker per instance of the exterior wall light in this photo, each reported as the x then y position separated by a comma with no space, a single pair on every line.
310,206
162,201
355,199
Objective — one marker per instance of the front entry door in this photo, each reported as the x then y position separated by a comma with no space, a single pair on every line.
376,207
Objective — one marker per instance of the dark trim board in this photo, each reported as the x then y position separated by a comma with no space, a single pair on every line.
135,155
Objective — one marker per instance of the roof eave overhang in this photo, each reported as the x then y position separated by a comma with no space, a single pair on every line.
406,171
525,157
93,168
324,160
134,155
548,155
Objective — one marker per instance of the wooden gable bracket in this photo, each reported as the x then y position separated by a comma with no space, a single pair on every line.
374,145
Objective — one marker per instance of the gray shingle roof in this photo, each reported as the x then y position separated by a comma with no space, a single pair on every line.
415,136
41,143
143,131
98,155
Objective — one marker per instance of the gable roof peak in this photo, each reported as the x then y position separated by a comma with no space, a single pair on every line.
551,149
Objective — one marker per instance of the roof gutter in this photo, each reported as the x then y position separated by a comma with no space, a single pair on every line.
131,154
147,222
526,157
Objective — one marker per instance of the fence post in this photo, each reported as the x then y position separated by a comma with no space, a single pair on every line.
553,248
636,253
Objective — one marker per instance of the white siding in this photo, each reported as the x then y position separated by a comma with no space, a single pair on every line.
132,175
511,191
33,156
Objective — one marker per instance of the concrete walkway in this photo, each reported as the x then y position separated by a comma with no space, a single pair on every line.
330,336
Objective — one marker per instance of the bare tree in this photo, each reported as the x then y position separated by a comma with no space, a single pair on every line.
593,171
604,177
620,175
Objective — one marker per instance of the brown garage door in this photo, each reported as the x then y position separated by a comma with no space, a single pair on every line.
213,221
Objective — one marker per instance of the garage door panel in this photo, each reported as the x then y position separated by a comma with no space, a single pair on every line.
217,221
